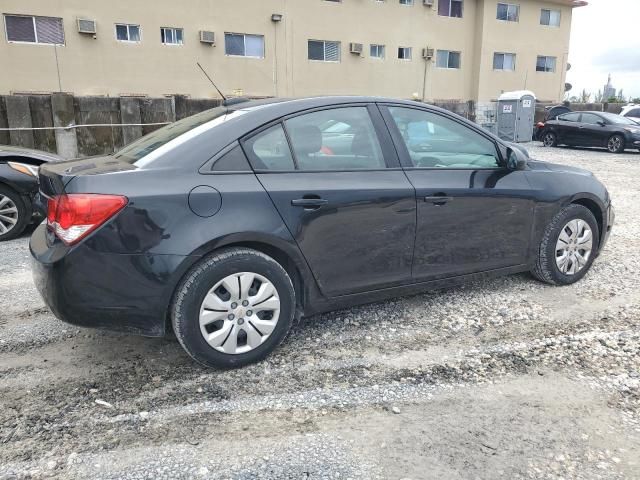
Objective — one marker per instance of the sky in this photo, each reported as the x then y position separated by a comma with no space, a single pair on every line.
605,38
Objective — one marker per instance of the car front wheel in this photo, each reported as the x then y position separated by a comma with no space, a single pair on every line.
549,139
616,144
568,247
233,308
14,214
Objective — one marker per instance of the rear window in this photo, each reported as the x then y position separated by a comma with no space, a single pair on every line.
142,147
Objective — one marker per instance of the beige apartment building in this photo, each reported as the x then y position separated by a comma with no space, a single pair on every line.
433,49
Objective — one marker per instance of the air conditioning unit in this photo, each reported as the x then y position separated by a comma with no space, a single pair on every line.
86,26
428,3
207,37
355,48
427,53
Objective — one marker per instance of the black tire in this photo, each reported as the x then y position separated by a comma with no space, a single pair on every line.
549,139
615,144
545,268
201,278
24,214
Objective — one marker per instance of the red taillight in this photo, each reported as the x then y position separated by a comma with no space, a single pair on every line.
74,216
540,124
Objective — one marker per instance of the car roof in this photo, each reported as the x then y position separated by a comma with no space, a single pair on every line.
303,103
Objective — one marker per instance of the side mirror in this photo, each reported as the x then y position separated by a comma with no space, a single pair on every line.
601,123
516,160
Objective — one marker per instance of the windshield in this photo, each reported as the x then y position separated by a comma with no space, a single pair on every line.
158,138
618,119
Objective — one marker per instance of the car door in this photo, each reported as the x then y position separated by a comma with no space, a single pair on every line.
473,213
593,130
567,128
342,195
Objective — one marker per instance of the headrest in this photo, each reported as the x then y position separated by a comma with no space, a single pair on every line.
361,145
306,139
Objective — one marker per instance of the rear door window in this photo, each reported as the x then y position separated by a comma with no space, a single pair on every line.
569,117
335,139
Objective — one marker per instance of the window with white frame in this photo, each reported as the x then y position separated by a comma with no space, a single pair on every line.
376,51
504,61
550,17
404,53
406,2
447,59
509,12
450,8
126,32
33,29
171,36
243,45
546,64
324,50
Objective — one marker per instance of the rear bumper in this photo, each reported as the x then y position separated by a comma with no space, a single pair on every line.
125,293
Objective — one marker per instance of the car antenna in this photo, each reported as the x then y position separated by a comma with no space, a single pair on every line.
225,101
214,85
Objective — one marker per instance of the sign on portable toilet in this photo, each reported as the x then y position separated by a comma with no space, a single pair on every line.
516,113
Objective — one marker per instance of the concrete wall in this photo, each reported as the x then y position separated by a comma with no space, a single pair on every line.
122,120
104,66
63,110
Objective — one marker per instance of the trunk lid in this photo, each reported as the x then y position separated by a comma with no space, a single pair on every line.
55,176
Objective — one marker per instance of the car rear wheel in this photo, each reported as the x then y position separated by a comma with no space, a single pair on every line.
13,214
568,247
549,139
233,308
616,144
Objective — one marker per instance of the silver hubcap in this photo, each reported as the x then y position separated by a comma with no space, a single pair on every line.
8,214
615,143
574,247
548,140
239,313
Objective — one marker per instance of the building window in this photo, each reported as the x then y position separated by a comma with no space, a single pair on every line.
509,12
450,8
241,45
324,51
171,36
30,29
550,17
447,59
127,33
406,2
404,53
376,51
546,64
504,61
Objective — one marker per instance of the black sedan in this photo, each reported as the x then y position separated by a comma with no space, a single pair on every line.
226,226
19,188
592,129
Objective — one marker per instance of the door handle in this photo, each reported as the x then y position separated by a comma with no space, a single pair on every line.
309,203
438,200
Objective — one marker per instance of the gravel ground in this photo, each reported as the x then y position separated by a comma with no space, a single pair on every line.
507,378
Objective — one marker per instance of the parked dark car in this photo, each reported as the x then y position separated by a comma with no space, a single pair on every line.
19,188
550,113
592,129
227,225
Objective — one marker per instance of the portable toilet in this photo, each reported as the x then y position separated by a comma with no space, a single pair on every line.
516,111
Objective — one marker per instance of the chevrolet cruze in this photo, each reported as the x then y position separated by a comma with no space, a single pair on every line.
226,226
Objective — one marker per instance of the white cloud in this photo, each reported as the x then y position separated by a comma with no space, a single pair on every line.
604,39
